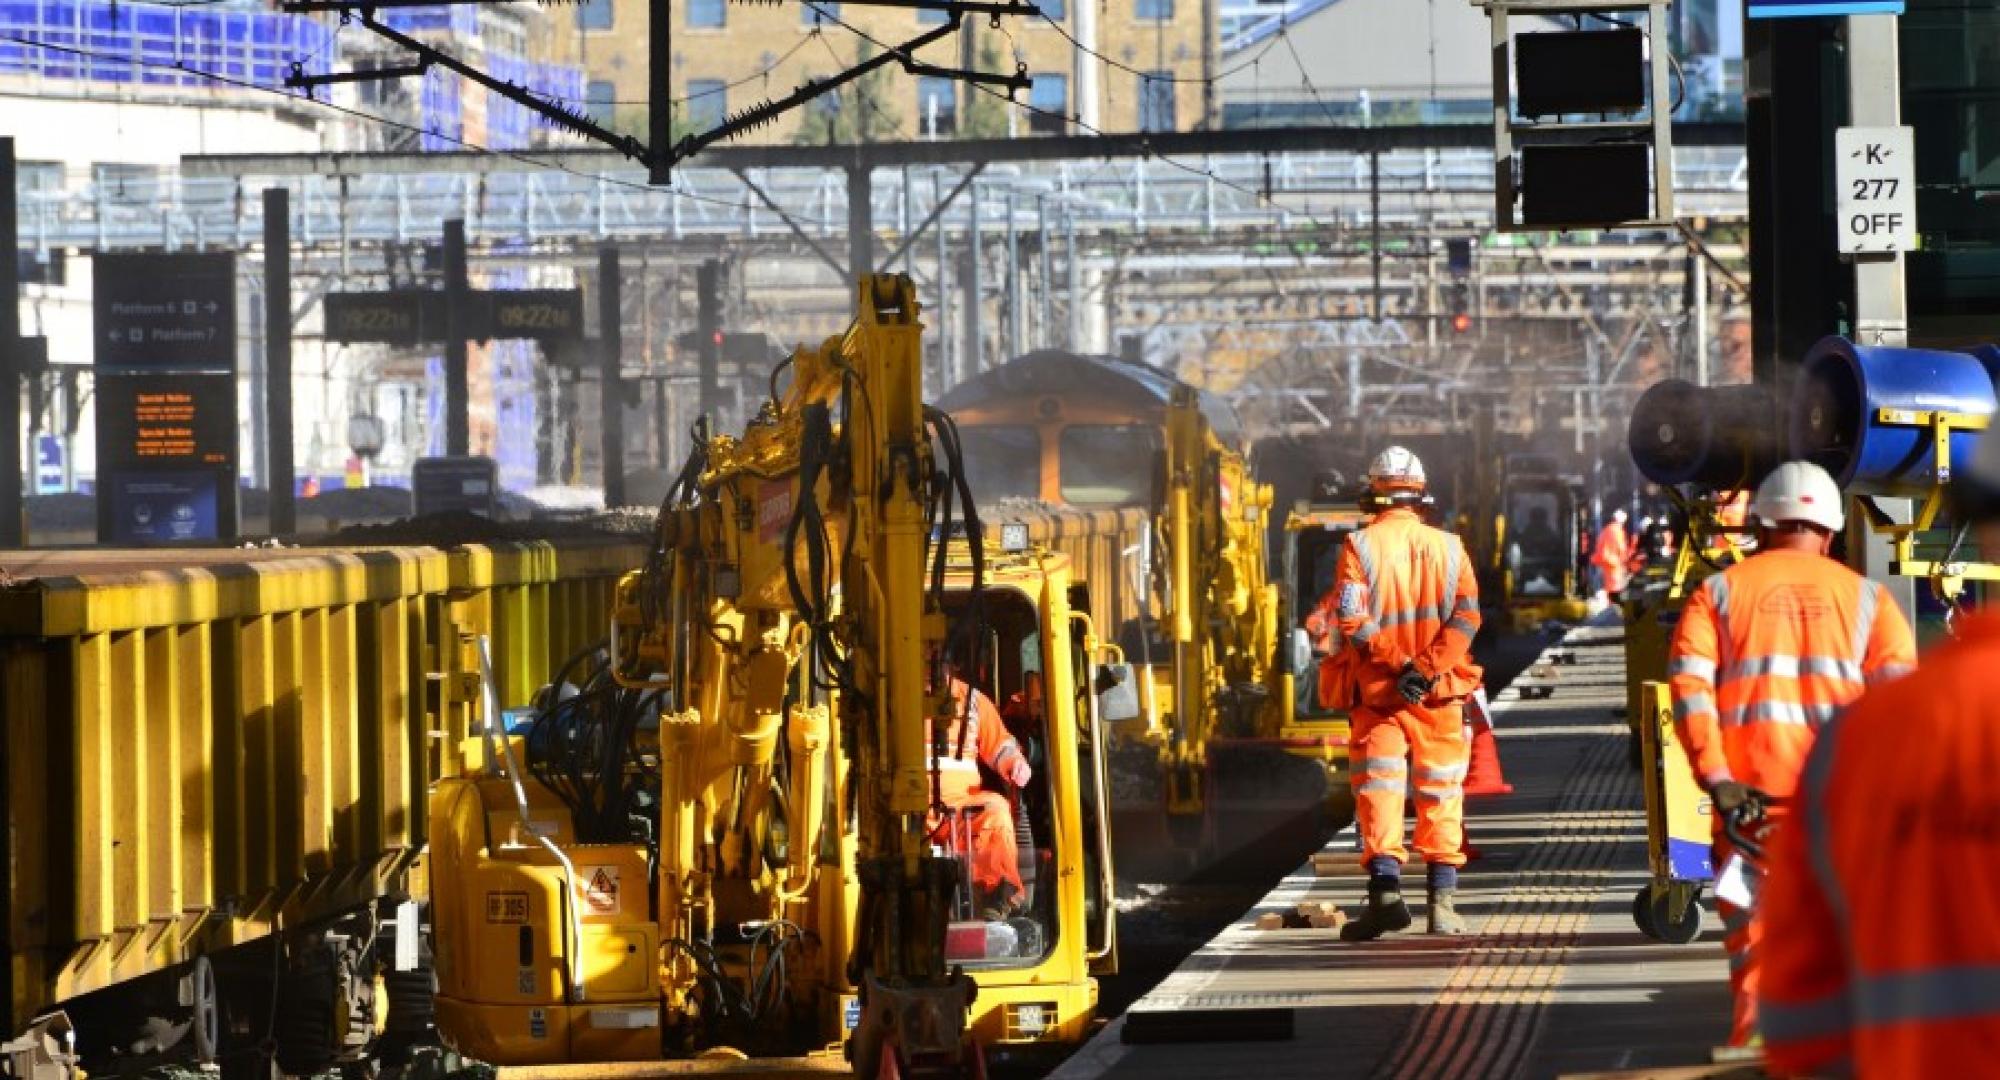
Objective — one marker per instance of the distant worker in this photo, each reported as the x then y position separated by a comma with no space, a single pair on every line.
1613,557
1765,653
976,736
1859,978
1408,608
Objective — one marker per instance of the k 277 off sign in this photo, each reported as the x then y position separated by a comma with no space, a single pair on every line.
1875,170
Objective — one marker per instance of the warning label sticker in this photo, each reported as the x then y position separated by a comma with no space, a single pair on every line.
599,886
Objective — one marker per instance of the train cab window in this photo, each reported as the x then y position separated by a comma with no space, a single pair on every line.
1108,464
1003,461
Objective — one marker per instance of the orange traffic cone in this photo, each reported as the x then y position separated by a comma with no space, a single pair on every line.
1483,775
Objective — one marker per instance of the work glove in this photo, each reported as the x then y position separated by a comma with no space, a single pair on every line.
1414,685
1020,774
1728,795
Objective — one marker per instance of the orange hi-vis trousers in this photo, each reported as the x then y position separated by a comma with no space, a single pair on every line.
1743,940
1383,750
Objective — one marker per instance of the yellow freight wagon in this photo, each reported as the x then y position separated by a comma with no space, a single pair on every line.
215,776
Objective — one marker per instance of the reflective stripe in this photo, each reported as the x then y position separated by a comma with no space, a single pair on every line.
1791,667
1779,712
1463,626
1821,1018
1361,550
1365,633
1366,786
1384,765
1931,996
1693,705
954,764
1718,595
1455,791
1453,552
1864,617
1890,671
1414,614
1007,749
1701,667
1814,783
1447,772
1718,592
1353,600
1464,604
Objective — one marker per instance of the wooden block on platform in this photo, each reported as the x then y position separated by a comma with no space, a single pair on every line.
1270,920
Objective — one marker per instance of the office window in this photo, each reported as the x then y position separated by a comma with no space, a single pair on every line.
705,13
1048,96
707,103
1053,10
597,99
1159,10
595,15
819,12
1156,101
937,105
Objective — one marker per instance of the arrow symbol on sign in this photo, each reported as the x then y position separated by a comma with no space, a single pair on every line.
212,306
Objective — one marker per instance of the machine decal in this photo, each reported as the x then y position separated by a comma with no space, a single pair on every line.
507,907
599,889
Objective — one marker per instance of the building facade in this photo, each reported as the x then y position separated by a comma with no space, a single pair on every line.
1151,70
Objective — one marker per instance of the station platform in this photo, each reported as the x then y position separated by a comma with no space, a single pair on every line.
1555,980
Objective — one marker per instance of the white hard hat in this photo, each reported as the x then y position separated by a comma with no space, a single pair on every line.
1618,516
1799,491
1396,469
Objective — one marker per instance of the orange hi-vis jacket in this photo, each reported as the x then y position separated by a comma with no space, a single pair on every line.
1767,651
1406,592
974,736
1887,883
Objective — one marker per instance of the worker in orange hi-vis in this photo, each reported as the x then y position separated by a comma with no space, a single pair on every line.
1408,608
1764,654
976,736
1613,556
1861,977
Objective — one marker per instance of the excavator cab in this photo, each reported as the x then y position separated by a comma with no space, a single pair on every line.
1541,572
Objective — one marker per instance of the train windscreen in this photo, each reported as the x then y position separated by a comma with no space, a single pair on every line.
1109,464
1003,462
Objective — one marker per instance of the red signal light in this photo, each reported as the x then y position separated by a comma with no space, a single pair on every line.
1460,323
718,338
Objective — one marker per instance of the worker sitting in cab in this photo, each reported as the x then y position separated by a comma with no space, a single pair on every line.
976,736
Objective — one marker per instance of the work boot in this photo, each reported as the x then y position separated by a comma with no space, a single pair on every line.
1386,912
1443,913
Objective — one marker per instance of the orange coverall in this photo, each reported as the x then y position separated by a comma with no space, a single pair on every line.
1406,592
994,858
1765,653
1886,884
1613,557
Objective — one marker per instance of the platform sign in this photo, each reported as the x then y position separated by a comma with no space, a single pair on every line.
388,317
540,314
167,432
164,507
1791,9
179,421
173,311
416,316
48,464
1875,170
443,484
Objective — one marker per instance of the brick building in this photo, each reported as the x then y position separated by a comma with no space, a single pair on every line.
727,57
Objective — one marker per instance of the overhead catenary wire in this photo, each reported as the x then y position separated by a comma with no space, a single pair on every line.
523,157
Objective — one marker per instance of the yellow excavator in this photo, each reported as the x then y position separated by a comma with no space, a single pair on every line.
723,848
